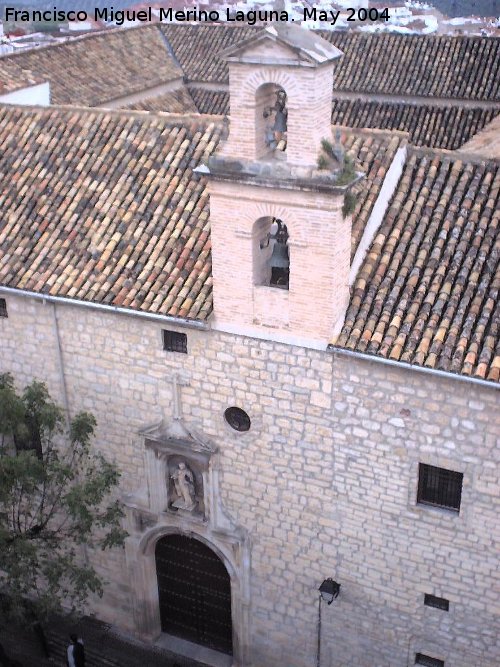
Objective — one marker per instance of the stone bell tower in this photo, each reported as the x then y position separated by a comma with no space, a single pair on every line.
280,245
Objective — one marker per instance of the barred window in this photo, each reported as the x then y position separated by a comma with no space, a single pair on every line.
174,342
438,603
427,661
3,308
439,487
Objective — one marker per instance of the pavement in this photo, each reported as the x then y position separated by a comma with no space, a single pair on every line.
104,647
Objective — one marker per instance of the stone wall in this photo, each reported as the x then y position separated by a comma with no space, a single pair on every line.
324,482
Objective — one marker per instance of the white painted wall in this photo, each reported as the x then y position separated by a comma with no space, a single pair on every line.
38,95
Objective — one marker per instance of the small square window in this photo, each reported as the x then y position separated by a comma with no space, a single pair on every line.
439,487
438,603
174,342
3,308
421,659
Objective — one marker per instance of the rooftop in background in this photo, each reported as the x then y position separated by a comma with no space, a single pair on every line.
18,78
462,68
486,142
418,65
426,124
99,67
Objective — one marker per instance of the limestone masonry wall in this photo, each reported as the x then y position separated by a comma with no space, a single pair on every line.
324,482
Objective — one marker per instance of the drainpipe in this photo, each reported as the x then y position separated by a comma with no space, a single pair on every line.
62,375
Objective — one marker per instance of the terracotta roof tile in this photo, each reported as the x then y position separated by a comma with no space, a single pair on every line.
16,78
428,125
97,68
173,101
486,142
427,292
373,153
105,207
196,47
457,67
210,101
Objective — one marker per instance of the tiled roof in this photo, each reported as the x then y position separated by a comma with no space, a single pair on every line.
434,126
373,153
104,207
173,101
427,125
17,78
210,101
427,292
424,65
418,65
196,48
97,68
486,142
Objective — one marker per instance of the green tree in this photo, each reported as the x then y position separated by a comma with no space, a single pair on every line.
55,497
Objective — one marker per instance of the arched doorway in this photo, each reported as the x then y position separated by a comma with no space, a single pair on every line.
194,590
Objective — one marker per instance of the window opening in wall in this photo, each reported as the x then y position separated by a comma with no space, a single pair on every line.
438,603
278,261
174,342
3,308
439,487
237,419
421,659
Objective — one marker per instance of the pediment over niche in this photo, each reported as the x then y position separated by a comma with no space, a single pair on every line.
169,437
283,43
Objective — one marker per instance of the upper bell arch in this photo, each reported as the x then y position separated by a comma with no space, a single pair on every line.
300,63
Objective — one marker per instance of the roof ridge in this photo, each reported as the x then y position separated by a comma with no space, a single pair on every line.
372,131
396,35
102,111
445,153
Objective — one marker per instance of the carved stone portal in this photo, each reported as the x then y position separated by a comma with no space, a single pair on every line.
180,494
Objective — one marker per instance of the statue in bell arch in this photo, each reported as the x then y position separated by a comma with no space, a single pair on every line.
276,133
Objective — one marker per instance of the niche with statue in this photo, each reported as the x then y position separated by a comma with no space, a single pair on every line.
272,120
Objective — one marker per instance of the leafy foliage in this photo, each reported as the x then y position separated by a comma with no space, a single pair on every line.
55,502
333,156
348,173
350,200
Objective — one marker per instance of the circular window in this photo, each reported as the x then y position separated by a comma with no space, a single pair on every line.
237,419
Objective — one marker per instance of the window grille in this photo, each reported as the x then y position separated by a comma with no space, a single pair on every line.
3,308
439,487
438,603
427,661
174,342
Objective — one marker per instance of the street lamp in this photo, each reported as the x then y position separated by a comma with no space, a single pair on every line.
328,591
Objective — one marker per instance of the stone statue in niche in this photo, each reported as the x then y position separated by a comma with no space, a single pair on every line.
184,488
